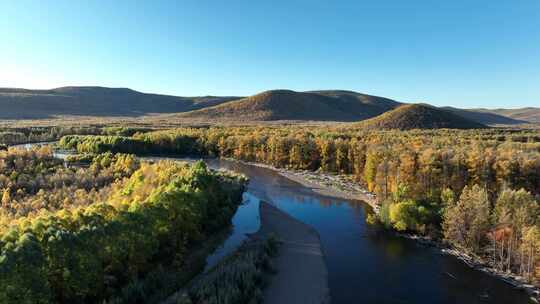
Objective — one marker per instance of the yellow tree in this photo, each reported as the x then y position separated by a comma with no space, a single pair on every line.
467,222
6,197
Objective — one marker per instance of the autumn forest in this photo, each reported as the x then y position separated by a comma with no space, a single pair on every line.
103,225
477,189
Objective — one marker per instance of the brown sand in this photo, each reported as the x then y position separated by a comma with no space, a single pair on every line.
301,275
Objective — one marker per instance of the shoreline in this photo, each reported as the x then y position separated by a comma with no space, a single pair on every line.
300,269
302,275
322,183
477,263
326,184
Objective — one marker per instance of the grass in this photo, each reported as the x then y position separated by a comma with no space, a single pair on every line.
239,279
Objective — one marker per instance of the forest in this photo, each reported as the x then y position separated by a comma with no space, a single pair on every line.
102,233
477,190
21,135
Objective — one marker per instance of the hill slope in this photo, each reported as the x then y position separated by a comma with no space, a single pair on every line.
325,105
98,101
291,105
530,114
419,116
486,117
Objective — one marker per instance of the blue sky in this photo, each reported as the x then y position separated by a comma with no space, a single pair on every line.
462,53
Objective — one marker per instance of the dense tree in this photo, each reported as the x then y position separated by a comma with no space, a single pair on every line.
467,222
404,215
33,180
13,136
529,250
514,212
53,248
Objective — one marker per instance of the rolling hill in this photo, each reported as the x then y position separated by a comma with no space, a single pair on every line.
291,105
485,117
95,101
322,105
529,114
419,116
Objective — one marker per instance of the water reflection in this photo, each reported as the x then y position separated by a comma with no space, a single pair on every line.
246,220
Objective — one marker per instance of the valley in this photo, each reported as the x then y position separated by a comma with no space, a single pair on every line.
355,248
270,152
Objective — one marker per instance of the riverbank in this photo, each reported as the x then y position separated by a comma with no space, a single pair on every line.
477,263
238,278
480,264
301,275
339,186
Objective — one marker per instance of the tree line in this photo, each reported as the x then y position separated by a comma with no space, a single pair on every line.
426,161
21,135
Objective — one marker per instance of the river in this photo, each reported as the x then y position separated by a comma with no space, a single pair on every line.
366,264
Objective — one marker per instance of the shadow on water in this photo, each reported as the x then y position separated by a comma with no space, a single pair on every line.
246,220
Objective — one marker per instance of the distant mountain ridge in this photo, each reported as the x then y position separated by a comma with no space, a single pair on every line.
320,105
292,105
484,117
528,114
99,101
419,116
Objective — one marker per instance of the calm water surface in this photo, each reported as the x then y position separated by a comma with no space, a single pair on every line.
246,220
365,264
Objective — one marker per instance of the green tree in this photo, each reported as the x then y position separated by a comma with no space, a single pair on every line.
404,215
22,272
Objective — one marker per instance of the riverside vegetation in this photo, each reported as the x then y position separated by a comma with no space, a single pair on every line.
238,279
476,189
103,233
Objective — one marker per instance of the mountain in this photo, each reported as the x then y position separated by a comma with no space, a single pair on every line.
323,105
419,116
291,105
529,114
95,101
484,116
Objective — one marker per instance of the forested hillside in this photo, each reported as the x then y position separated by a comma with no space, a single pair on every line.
477,189
291,105
419,116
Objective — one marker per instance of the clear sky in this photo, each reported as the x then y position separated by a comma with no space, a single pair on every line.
466,53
